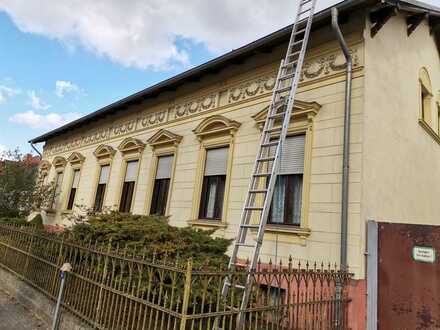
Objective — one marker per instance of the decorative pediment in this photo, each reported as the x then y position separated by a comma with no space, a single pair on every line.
59,162
104,152
131,145
301,111
164,138
76,158
216,125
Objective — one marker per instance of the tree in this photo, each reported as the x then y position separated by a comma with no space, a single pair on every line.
19,193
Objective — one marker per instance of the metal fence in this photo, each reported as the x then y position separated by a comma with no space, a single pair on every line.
110,289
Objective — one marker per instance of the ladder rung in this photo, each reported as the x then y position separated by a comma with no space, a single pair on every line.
272,130
239,286
305,1
262,174
304,11
277,115
258,191
297,42
284,89
266,159
300,31
270,144
249,225
245,245
288,76
288,64
253,208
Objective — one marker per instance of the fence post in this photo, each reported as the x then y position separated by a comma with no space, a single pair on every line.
104,276
26,265
60,253
186,294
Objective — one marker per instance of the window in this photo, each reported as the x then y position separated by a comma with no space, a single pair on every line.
426,100
57,190
287,198
425,96
128,186
73,189
100,190
213,188
161,185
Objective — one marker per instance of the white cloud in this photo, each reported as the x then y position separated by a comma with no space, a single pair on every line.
7,92
47,121
36,102
62,87
146,33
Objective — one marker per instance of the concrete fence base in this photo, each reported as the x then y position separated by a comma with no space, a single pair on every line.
36,301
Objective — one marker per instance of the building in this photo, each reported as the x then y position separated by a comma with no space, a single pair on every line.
186,146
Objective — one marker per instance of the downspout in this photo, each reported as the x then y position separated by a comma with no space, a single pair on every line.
346,146
36,150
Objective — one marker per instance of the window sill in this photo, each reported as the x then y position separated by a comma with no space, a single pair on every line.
288,230
429,130
208,223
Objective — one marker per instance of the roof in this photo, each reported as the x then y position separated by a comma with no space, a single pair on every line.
278,37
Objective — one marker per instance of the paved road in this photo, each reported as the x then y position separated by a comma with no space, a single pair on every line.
14,316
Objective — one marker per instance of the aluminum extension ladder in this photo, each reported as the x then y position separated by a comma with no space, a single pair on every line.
257,205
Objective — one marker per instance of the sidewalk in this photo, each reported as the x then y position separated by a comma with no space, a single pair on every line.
14,316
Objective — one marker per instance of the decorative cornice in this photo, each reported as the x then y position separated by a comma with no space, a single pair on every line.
104,152
301,109
316,69
216,125
131,145
59,162
76,158
164,137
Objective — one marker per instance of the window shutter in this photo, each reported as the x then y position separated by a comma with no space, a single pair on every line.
164,164
216,161
75,181
292,155
103,177
130,174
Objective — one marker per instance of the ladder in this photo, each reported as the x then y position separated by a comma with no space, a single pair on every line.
257,204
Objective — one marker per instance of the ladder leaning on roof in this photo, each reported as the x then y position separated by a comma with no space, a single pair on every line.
257,204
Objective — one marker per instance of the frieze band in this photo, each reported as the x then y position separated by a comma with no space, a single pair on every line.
313,69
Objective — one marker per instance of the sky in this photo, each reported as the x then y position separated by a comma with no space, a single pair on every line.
62,59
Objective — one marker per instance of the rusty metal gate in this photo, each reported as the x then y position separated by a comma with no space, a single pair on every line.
408,275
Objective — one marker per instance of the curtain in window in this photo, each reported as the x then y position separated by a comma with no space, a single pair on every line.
279,195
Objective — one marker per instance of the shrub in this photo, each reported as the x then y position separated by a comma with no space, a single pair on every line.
152,234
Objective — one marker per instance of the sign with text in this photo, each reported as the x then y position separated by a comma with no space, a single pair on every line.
424,254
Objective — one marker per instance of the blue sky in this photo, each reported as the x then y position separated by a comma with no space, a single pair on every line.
63,59
31,66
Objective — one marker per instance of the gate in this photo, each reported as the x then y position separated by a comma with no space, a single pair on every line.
408,275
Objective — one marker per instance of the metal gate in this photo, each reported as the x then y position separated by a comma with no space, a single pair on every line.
407,274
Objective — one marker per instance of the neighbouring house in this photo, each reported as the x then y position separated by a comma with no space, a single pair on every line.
186,146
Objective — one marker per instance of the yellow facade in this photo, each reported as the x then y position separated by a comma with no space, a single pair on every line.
227,109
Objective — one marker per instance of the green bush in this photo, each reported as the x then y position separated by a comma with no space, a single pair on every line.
151,234
13,221
37,222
